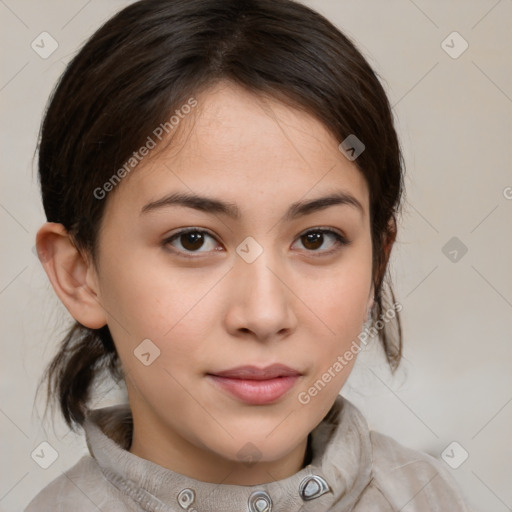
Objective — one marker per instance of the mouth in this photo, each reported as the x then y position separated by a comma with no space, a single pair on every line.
256,386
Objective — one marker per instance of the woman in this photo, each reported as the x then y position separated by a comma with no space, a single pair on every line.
221,181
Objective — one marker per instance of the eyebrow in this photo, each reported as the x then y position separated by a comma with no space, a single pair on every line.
216,206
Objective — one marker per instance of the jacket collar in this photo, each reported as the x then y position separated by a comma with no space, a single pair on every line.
339,471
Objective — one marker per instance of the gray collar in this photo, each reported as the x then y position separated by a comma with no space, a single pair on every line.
339,471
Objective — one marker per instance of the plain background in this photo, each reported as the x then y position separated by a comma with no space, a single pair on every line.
454,120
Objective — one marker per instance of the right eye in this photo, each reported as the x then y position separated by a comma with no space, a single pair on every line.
190,240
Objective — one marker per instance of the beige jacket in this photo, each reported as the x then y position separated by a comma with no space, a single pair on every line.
352,469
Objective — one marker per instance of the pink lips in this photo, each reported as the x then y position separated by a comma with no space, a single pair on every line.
257,386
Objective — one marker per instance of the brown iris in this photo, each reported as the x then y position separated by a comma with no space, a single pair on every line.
192,241
311,240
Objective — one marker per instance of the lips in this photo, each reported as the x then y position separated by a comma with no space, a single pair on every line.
256,386
254,373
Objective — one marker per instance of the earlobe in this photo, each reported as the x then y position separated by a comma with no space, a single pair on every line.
72,276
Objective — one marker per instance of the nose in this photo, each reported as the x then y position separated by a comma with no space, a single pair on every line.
261,302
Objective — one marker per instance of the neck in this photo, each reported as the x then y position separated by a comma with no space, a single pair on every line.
153,442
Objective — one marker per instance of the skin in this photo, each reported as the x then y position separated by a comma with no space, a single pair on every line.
295,304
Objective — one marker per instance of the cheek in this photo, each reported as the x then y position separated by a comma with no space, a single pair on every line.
341,296
339,300
143,296
172,309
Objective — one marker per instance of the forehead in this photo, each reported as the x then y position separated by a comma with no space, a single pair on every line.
255,152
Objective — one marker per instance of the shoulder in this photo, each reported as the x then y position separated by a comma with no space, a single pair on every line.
413,479
82,488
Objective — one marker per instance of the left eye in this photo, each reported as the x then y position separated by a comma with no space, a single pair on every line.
314,239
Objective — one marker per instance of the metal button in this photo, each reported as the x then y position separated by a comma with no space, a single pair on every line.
259,501
186,498
312,487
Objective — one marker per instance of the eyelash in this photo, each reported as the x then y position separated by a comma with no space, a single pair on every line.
340,241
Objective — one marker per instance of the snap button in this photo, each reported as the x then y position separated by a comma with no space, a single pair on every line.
312,487
186,498
259,501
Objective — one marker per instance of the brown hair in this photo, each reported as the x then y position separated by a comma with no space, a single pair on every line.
144,63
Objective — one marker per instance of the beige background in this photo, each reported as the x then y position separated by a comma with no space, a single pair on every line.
454,118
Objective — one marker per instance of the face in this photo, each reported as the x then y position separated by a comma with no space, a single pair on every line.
258,279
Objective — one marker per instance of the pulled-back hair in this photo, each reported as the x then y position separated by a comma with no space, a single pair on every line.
143,64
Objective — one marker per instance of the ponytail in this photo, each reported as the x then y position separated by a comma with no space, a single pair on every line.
84,354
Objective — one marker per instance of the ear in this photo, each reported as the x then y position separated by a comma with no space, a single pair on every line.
389,238
72,275
371,301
